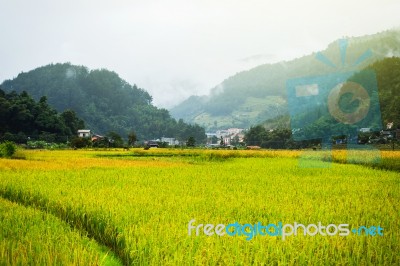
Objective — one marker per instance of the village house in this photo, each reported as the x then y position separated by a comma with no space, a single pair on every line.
97,138
152,143
227,136
84,133
170,141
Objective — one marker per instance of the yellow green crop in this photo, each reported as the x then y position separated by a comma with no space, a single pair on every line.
138,204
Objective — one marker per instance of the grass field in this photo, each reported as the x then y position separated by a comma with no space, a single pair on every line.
133,207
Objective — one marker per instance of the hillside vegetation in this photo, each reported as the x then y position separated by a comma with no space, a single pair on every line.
22,118
388,80
103,100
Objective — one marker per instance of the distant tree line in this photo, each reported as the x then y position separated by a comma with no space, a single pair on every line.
22,119
280,138
272,139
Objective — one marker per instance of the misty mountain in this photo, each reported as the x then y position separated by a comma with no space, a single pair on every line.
387,73
259,94
103,100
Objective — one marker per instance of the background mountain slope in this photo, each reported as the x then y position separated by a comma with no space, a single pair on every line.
253,96
387,73
103,100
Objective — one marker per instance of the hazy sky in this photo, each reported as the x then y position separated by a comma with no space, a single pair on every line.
177,48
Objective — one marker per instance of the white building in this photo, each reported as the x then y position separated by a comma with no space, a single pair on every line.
211,135
227,141
170,141
235,131
222,133
84,133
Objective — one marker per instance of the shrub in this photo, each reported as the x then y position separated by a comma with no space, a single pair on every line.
81,143
7,149
39,144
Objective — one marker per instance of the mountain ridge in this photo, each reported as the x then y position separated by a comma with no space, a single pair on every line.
220,109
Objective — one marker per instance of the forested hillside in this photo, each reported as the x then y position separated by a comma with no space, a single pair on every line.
388,77
22,118
103,100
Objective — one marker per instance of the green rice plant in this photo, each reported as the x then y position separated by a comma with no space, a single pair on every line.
32,237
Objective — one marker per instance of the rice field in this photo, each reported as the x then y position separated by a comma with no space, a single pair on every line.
31,237
134,207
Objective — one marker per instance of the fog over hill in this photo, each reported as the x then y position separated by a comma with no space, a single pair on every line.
253,96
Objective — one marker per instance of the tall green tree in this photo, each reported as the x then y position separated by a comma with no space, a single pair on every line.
115,139
132,138
191,142
72,122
